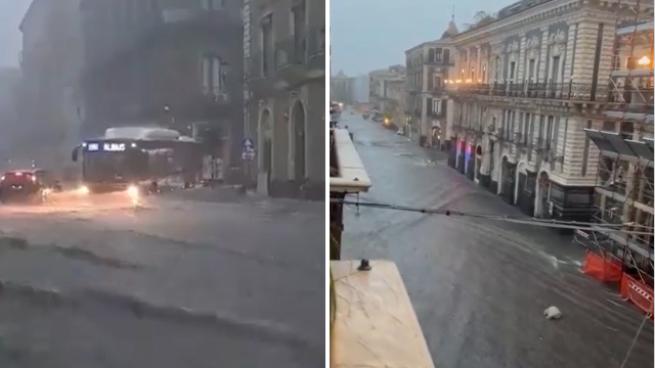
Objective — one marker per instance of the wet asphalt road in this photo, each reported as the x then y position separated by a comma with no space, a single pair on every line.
177,283
479,288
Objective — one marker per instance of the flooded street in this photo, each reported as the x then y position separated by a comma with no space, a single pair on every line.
480,287
181,281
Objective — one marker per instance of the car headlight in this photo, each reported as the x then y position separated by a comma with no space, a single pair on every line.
133,192
83,190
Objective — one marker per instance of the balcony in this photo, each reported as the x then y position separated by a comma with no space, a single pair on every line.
210,20
260,72
291,60
316,49
439,62
632,99
205,104
556,91
436,115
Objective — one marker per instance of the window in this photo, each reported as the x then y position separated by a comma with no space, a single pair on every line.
436,106
213,75
446,56
431,57
526,128
299,31
213,4
531,64
267,44
556,135
512,66
627,130
429,107
549,131
437,54
556,194
511,134
585,154
609,126
530,129
555,70
437,82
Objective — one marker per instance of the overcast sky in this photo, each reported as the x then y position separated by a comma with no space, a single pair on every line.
366,34
373,34
11,13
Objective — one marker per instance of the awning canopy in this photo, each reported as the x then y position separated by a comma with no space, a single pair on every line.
613,142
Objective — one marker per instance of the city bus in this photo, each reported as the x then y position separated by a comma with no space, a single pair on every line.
129,158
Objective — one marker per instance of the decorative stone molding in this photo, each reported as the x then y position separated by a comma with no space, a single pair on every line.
512,46
557,37
533,42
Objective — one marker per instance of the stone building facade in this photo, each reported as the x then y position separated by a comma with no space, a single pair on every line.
49,98
386,90
426,100
176,63
286,96
523,90
342,88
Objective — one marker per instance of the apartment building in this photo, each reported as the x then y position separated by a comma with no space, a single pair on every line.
386,90
342,88
378,81
524,88
176,63
426,100
624,182
50,104
285,103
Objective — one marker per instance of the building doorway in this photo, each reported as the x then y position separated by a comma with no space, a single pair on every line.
508,181
541,207
298,131
265,139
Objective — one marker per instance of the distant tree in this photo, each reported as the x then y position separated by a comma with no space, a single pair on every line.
480,19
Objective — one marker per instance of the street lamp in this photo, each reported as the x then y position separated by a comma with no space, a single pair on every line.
644,60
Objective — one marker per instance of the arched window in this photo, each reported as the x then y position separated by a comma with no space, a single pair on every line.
213,75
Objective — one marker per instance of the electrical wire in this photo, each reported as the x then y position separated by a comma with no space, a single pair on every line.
550,223
634,341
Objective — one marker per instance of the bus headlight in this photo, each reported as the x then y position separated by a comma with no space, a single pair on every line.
133,192
83,190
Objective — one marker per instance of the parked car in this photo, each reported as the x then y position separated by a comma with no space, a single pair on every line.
31,185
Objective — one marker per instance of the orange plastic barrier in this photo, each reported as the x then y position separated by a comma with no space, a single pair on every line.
638,293
603,269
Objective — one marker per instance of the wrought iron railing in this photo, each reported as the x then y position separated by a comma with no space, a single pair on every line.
549,90
632,96
316,42
291,51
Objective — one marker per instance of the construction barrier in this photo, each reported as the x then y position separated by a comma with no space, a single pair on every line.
638,293
605,269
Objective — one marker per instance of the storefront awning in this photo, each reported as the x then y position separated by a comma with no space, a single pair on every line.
613,142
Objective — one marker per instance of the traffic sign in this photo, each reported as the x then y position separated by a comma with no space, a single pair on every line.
247,149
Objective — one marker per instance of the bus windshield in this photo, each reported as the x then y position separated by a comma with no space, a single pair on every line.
109,166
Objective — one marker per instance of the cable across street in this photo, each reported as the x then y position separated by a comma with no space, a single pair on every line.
549,223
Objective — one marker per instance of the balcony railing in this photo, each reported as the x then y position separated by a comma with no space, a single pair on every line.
316,42
561,91
215,95
259,66
291,51
635,97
